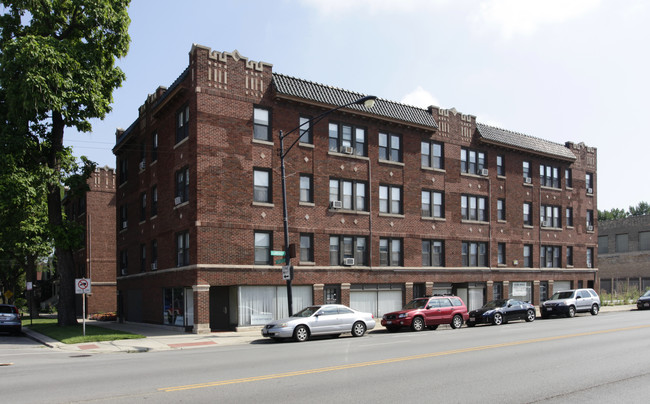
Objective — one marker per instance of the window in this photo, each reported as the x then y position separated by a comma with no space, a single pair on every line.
351,194
644,240
154,146
390,252
432,155
182,123
154,255
143,156
347,139
528,255
124,167
433,204
124,262
550,256
474,254
603,244
569,256
549,176
501,253
154,200
390,199
183,249
497,290
262,248
346,247
568,178
569,217
306,247
621,243
550,216
389,147
471,161
182,185
305,130
143,257
501,168
590,257
261,185
261,124
590,220
528,214
433,253
589,183
306,191
123,217
526,170
473,208
143,206
501,209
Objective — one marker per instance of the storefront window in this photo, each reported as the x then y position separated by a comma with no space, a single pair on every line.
174,307
521,291
259,305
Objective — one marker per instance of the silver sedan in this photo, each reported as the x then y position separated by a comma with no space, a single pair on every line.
327,319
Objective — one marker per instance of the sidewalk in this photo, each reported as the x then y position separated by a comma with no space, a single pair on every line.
165,338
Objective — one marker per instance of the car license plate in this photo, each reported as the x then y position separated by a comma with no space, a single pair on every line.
646,304
389,322
549,309
472,319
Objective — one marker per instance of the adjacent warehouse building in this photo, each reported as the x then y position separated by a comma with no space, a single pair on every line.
384,203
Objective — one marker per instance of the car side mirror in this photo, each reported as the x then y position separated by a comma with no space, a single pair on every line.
509,305
578,297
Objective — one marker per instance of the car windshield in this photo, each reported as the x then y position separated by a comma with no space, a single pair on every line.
6,309
647,293
307,311
416,304
562,295
495,303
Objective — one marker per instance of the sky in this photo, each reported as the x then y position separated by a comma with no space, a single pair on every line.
555,69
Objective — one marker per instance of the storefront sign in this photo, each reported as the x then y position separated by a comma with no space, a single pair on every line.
519,289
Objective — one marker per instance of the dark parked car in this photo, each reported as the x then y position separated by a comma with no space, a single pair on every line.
501,311
644,301
427,312
10,319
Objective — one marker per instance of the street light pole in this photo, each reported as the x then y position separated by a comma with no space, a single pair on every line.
368,102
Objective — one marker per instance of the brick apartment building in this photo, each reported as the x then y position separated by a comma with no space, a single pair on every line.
624,254
384,204
96,259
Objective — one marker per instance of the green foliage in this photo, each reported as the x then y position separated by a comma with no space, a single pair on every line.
73,334
643,208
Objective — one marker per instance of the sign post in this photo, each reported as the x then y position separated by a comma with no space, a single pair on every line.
82,287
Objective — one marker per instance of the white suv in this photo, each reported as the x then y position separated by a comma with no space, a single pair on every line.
570,302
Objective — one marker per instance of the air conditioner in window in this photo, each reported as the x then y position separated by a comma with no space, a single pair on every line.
348,261
123,271
124,224
336,204
142,165
484,172
544,224
528,180
590,190
154,266
177,200
347,150
590,228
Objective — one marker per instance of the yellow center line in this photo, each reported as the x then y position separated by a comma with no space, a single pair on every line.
393,360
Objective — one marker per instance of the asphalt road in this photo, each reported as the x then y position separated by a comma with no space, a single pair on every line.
585,359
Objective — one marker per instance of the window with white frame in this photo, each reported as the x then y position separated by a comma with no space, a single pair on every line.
390,199
306,247
263,248
433,204
262,185
432,155
351,195
305,130
306,191
262,124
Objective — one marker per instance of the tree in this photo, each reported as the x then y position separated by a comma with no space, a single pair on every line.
641,209
612,214
57,70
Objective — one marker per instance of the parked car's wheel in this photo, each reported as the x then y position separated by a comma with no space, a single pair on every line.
358,329
433,327
457,321
594,310
497,319
301,333
530,315
572,312
417,324
392,329
471,324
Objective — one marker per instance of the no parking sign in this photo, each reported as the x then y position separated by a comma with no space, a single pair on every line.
82,286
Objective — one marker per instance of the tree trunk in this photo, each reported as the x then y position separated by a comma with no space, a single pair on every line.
30,276
64,261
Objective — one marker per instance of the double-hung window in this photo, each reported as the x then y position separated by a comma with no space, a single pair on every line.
344,248
501,253
568,178
432,155
143,257
262,248
261,185
474,254
182,185
351,195
154,146
550,256
306,247
528,213
124,168
569,217
527,173
433,204
390,147
590,220
390,252
123,217
154,255
528,255
501,168
569,256
183,249
433,253
143,206
306,188
471,161
501,209
347,139
589,182
182,123
390,199
261,124
549,176
154,200
474,208
550,216
305,130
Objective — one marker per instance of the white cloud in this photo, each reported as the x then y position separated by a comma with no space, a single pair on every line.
524,17
420,98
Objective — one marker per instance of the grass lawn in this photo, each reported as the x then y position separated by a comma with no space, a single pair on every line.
74,334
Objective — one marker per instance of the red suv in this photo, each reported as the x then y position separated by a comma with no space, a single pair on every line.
428,312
